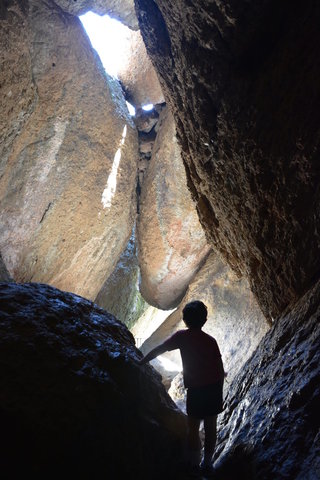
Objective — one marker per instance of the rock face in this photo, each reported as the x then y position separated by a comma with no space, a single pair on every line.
138,75
171,241
244,91
74,403
270,427
4,274
122,10
120,294
68,154
234,319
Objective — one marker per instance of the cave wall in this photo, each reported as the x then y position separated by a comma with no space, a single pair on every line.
242,82
270,426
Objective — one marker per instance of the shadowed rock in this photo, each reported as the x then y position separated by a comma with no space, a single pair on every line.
270,427
243,86
120,294
74,403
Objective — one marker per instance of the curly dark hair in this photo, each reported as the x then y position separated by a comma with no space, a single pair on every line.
195,314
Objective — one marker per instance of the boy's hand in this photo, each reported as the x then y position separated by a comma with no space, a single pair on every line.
141,361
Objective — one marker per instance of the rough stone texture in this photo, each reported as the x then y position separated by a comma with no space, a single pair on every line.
61,125
171,241
122,10
4,274
234,319
120,294
74,403
146,120
270,427
243,84
138,75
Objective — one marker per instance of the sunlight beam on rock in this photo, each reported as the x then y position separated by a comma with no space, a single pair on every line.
110,190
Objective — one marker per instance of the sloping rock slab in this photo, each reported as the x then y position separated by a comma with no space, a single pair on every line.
270,427
74,403
172,243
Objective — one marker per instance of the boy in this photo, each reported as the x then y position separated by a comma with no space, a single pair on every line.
203,376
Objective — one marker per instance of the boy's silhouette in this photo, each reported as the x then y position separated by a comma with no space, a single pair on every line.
203,376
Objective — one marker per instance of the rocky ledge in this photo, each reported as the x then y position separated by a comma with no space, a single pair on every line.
74,403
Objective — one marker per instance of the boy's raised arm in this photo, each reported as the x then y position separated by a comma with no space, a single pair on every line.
153,353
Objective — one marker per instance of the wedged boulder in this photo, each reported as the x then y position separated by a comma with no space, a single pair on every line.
137,74
120,293
234,319
122,10
74,403
244,91
146,120
69,159
172,244
270,426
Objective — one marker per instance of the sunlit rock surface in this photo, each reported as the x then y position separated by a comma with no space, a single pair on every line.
122,10
270,427
69,153
171,241
148,323
243,86
74,403
234,318
138,75
120,294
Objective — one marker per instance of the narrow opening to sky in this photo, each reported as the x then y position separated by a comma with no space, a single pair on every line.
110,38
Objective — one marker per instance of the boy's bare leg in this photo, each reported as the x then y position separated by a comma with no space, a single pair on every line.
210,431
194,445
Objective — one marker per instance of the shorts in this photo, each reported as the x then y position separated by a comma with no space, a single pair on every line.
205,401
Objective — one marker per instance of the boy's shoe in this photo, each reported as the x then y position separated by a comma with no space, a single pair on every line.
207,470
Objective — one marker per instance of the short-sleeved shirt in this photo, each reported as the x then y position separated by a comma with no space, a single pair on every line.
201,358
